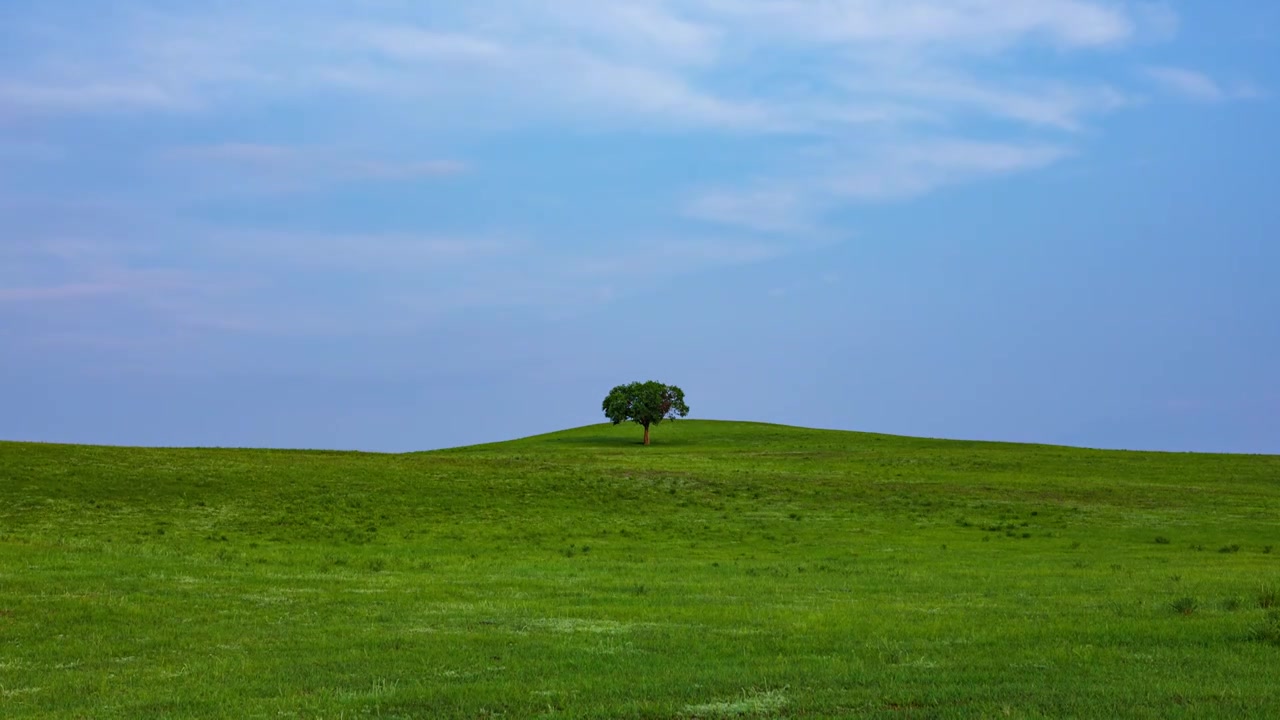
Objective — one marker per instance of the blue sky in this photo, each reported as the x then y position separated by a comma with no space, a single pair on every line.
396,225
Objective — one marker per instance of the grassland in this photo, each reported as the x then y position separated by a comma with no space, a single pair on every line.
730,570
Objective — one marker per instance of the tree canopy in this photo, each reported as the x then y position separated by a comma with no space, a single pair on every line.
645,403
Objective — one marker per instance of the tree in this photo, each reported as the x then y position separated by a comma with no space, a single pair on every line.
647,403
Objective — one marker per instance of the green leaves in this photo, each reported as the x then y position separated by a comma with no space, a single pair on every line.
644,403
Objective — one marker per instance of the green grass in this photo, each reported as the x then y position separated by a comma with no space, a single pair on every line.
731,570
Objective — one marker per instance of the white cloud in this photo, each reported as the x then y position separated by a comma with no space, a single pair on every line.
332,284
1197,86
1041,103
65,291
92,283
701,63
592,85
952,24
912,169
916,68
354,253
288,167
94,95
890,170
645,30
671,257
704,63
413,43
761,209
1187,83
870,101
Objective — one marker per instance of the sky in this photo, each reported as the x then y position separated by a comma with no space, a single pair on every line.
395,226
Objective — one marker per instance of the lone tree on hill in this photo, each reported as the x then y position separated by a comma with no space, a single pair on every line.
647,403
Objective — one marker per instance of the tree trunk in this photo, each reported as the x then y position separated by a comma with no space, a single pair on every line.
646,434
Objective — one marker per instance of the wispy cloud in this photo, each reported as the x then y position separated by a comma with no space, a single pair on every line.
894,170
1037,103
317,283
382,253
284,167
844,102
772,208
69,291
671,258
912,169
407,42
547,79
973,25
1197,86
668,63
93,95
96,283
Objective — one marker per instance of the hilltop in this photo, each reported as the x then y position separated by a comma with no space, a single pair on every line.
729,570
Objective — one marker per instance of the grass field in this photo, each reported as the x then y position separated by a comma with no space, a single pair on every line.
730,570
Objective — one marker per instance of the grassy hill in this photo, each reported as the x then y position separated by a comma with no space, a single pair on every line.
730,570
